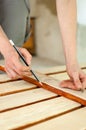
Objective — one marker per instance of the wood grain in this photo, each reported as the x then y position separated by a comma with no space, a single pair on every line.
75,120
21,99
25,106
15,87
52,85
35,113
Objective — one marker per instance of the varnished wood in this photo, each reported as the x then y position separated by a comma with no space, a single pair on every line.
23,105
53,86
2,68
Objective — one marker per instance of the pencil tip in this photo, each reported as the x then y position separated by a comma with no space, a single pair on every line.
41,83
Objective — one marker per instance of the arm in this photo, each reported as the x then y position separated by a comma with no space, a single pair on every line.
66,10
13,66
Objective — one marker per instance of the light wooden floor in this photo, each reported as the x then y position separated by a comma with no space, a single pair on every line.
40,64
24,106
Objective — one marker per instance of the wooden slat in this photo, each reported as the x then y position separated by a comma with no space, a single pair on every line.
79,94
35,113
51,70
52,85
24,98
13,87
3,76
57,69
62,76
75,120
23,109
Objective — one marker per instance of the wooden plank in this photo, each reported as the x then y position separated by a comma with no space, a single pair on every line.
52,85
75,120
51,70
52,82
61,76
35,113
16,86
2,62
24,98
4,77
64,76
57,69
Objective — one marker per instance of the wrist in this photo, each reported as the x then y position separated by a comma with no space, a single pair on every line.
70,58
8,51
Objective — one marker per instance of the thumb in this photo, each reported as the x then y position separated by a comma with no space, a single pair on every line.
77,81
26,55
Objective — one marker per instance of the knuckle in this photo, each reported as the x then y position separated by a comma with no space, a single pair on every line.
13,76
76,79
23,49
30,56
19,70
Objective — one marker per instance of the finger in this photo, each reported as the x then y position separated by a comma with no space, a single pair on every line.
20,69
23,71
12,74
27,73
82,76
17,67
77,82
83,80
26,55
84,84
68,84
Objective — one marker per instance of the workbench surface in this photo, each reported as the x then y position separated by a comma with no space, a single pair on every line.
24,106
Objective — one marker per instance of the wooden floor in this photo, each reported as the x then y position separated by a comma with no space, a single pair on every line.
24,106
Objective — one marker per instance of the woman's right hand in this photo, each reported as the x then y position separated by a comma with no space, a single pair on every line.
14,68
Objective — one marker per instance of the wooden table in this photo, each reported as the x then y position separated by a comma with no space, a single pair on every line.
24,106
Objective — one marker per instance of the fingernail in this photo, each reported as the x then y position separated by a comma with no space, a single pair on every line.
82,89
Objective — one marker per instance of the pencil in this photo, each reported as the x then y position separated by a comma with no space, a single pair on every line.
23,59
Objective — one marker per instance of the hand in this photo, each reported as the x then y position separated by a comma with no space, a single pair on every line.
14,68
77,78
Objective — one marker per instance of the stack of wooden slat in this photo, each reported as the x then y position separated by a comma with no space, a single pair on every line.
24,106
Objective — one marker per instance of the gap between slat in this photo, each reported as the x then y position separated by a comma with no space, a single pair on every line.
47,119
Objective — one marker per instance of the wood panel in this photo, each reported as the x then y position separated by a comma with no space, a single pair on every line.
24,98
75,120
64,76
57,69
3,76
32,114
13,87
52,85
25,106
